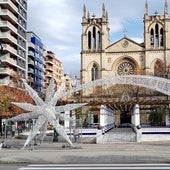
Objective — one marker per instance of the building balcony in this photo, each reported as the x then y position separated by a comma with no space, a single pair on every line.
50,61
31,62
31,45
47,67
9,49
31,53
9,2
6,71
7,24
7,35
6,58
4,81
48,74
30,70
8,14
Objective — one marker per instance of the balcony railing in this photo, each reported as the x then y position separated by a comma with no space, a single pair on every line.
8,36
6,58
8,13
8,24
10,3
6,71
9,48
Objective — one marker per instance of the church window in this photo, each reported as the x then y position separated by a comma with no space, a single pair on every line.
161,37
89,40
152,37
125,68
156,36
94,72
94,38
99,39
158,69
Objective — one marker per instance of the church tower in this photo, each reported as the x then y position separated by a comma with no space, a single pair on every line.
156,36
95,31
94,40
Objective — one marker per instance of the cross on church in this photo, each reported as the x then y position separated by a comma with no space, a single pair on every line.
125,31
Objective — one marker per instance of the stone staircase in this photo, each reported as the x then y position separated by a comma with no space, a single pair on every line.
119,135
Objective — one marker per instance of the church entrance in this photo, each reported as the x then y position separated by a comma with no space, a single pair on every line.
125,117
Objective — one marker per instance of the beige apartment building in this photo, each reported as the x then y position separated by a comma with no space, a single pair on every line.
53,69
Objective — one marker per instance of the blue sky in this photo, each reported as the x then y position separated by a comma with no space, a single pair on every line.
58,24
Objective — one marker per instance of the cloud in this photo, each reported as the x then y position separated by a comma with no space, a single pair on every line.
137,39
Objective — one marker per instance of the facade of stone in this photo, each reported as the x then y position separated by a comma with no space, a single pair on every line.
100,58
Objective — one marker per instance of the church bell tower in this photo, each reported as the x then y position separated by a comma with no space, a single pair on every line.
157,40
95,31
156,31
94,40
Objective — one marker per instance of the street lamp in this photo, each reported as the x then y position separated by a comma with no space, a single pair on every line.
1,50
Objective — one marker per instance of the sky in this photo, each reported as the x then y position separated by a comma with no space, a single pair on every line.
58,24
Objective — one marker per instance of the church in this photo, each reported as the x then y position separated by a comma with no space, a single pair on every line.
101,59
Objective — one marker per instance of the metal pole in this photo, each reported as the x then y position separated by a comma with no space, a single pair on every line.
70,129
5,133
81,129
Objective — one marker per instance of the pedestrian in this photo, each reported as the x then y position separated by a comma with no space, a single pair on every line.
13,130
75,134
3,128
1,145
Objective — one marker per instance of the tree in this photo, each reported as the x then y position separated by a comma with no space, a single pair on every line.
8,95
156,117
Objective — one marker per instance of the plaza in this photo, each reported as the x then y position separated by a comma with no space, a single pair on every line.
114,153
54,153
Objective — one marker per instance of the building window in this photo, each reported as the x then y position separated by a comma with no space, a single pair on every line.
94,38
126,68
159,69
161,37
94,72
156,36
152,38
99,40
89,40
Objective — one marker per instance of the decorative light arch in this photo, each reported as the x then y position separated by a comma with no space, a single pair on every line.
151,82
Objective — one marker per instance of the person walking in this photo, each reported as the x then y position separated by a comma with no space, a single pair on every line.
13,130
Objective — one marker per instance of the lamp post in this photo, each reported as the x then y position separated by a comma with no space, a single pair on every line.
1,50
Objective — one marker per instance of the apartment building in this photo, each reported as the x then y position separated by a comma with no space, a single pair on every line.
53,69
13,24
68,82
36,62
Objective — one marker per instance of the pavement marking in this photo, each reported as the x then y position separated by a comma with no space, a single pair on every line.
96,167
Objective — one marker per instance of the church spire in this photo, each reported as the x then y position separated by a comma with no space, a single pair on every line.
146,7
106,15
104,11
84,11
88,15
166,7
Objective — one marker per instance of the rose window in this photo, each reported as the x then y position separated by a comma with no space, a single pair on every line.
125,68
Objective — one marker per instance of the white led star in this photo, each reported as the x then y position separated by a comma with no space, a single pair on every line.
45,111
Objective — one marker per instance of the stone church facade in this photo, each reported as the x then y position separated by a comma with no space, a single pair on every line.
100,58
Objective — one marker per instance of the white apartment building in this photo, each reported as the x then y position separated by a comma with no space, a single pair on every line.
13,24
